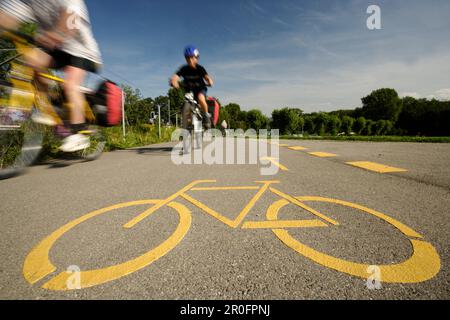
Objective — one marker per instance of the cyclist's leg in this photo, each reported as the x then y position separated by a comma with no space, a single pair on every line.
74,78
73,81
201,98
41,61
75,69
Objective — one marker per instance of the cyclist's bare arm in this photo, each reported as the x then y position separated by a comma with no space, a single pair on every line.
64,29
7,22
209,80
175,81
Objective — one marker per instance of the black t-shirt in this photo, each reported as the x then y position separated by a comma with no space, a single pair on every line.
193,77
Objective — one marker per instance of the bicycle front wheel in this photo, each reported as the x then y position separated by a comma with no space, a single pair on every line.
423,264
20,142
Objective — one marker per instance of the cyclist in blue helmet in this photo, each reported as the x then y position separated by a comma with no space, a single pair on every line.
195,78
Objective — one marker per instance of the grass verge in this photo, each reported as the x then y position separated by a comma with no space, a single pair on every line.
374,139
136,136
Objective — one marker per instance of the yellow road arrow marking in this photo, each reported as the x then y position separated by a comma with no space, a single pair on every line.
273,160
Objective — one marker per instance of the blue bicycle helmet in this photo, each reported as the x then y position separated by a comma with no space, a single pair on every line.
191,51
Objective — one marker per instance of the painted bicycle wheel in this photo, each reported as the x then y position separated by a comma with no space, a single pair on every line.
423,264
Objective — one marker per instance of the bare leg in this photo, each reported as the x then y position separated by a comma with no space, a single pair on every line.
41,61
207,121
202,102
74,79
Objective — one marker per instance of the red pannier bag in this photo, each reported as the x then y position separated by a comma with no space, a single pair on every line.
214,109
107,104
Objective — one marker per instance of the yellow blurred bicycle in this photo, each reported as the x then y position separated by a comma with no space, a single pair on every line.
21,139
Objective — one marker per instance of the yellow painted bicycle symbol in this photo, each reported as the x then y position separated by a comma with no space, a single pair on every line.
424,263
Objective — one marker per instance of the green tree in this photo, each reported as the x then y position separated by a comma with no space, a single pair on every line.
176,98
146,107
380,127
347,124
233,110
242,121
424,117
382,104
389,127
257,120
301,125
333,125
224,116
321,123
297,121
360,125
286,120
163,102
132,106
413,111
309,124
298,111
368,130
137,109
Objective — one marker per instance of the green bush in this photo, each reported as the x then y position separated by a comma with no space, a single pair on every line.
374,139
136,136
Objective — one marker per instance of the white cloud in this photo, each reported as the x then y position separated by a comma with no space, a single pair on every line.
344,86
443,94
414,95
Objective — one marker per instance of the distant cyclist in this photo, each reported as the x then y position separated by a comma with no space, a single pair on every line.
195,78
66,36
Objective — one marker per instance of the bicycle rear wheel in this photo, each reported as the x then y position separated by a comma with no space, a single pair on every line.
20,141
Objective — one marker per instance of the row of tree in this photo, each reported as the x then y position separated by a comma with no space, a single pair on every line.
383,113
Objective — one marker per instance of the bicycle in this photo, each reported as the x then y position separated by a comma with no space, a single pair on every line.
192,119
423,265
21,139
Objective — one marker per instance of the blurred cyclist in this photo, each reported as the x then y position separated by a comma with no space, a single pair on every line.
66,37
196,78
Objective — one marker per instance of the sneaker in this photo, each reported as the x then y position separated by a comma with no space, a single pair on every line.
75,142
207,119
40,118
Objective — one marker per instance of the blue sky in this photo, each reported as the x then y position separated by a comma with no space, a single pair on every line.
317,55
